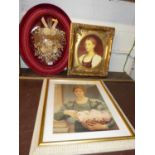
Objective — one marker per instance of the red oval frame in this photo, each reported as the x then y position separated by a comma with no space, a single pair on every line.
24,38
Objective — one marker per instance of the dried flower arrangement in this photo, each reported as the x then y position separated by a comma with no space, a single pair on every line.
48,41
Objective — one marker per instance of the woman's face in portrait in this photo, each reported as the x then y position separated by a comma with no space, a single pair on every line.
79,92
89,45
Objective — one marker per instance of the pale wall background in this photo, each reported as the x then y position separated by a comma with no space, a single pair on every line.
119,14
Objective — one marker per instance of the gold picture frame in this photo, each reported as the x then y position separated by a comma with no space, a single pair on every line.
45,141
90,49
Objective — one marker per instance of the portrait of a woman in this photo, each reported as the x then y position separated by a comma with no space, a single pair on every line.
77,110
90,58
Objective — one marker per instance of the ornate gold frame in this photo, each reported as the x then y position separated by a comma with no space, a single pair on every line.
80,31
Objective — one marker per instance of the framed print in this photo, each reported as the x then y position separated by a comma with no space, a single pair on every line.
44,39
79,117
90,49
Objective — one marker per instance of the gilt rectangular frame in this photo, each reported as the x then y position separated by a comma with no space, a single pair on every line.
37,144
80,31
